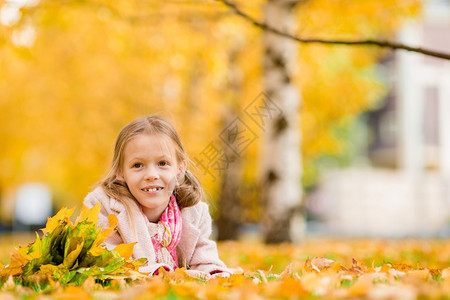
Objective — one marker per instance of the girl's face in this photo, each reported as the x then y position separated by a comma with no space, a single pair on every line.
150,169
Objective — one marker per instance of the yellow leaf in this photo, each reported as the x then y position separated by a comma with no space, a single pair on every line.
112,219
53,222
107,232
72,256
48,269
125,250
33,251
139,262
96,250
102,236
89,214
23,252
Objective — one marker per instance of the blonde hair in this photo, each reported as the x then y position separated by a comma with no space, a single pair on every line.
188,192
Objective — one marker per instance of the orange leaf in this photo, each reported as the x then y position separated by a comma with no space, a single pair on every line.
125,250
15,266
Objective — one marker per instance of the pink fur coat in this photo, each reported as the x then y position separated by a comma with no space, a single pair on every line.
196,251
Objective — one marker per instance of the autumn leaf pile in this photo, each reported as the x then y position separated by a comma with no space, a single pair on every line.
70,253
70,262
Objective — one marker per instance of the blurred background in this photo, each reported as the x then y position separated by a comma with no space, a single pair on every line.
373,125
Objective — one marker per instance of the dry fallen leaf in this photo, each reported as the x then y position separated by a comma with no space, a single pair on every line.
358,270
317,264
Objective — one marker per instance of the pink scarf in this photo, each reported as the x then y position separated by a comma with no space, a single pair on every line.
167,234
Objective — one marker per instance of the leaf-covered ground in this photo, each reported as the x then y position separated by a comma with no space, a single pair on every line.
318,268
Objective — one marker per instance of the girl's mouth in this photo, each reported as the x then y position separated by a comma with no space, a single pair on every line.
152,189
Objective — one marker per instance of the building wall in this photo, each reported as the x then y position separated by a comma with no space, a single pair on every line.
412,139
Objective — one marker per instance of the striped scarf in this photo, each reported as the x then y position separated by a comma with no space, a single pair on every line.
167,234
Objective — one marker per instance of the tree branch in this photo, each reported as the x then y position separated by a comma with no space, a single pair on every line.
379,43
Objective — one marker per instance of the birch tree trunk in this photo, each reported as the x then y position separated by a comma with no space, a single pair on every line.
281,159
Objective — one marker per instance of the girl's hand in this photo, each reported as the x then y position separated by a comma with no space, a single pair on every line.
220,274
198,274
206,276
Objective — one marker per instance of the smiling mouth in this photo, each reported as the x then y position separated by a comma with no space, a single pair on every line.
153,189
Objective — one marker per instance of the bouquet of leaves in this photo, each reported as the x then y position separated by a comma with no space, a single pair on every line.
72,252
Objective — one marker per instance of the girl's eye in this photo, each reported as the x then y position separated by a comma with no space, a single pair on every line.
137,165
163,163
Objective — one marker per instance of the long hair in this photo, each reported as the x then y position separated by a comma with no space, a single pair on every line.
188,192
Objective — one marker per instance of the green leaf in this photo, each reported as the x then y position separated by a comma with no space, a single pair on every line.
63,275
79,278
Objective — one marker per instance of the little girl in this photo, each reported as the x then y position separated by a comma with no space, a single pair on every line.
157,201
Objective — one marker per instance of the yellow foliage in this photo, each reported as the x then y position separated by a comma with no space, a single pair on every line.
92,66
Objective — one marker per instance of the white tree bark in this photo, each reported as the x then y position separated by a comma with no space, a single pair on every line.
410,105
444,120
281,163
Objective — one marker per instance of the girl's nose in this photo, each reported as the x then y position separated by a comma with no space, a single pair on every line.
151,174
